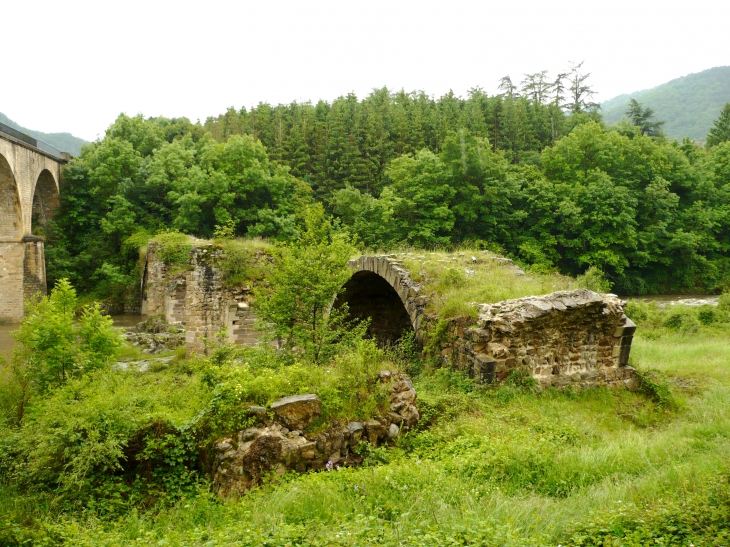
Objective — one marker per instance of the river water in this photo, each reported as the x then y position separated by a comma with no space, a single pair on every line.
7,342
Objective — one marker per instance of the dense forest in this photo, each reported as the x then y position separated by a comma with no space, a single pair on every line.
688,104
533,173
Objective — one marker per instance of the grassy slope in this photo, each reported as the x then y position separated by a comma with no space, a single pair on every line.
689,104
505,467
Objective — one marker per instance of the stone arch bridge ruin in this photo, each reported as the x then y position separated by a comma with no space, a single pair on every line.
573,337
30,172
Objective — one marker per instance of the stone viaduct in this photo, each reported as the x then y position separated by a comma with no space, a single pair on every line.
573,337
30,171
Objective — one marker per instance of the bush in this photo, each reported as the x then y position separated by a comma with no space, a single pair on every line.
55,345
707,315
174,248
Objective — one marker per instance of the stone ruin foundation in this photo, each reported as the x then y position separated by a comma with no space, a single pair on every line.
565,338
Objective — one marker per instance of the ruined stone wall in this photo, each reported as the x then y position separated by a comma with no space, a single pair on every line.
164,292
568,337
198,298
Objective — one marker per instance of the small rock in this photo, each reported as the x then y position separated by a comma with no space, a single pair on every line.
393,431
250,434
258,411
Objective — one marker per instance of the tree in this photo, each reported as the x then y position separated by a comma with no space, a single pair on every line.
643,118
508,88
309,274
720,132
580,93
55,346
536,87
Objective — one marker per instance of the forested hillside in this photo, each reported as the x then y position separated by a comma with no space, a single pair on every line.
65,142
688,104
533,173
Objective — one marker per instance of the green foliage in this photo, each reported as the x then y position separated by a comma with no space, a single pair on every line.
174,248
720,132
655,321
305,280
483,468
156,175
643,118
244,261
56,346
655,387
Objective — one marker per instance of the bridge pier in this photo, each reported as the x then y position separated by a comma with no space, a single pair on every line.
22,275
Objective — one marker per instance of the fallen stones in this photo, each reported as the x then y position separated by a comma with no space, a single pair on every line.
280,445
155,335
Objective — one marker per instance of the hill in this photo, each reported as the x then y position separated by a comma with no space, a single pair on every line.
65,142
688,104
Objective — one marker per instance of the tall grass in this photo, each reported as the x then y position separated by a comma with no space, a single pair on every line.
504,467
454,281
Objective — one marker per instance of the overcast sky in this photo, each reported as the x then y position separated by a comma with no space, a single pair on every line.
75,65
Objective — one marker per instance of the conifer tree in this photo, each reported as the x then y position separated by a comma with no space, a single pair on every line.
720,132
643,118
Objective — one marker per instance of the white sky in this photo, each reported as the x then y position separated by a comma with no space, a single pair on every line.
74,65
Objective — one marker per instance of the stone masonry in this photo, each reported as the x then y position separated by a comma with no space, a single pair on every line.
283,444
29,195
198,298
569,337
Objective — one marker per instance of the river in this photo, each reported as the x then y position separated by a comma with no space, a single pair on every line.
7,342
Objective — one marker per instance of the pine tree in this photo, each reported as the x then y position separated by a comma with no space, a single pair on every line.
721,131
643,119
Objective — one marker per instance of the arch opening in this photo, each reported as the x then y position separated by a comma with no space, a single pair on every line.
45,202
11,215
368,295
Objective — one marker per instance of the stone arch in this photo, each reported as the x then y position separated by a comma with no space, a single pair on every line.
46,200
11,212
383,291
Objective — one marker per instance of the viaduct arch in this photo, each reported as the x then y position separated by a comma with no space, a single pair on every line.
30,172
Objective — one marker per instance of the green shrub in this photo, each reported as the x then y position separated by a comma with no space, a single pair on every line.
636,311
707,315
174,248
54,345
724,302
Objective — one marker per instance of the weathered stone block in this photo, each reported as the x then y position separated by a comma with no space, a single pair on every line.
297,411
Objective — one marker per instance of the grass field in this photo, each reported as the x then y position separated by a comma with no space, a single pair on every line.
510,466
